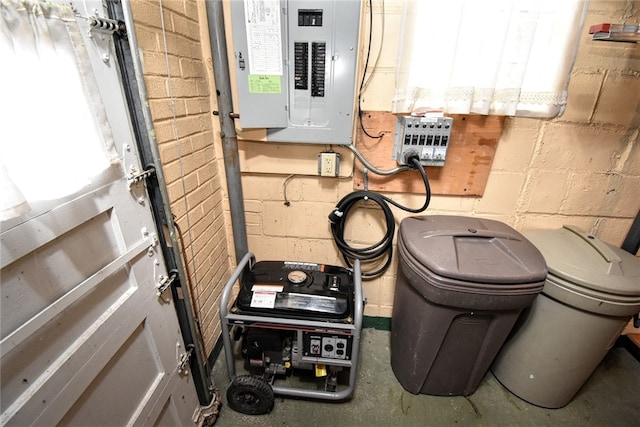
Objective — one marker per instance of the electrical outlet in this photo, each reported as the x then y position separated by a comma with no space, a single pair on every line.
328,164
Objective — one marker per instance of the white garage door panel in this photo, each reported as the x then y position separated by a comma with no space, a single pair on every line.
114,363
20,239
28,361
84,339
70,348
130,386
38,279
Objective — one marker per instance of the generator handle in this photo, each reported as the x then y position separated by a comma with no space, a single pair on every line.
248,259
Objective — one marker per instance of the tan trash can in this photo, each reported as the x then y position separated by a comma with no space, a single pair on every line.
591,292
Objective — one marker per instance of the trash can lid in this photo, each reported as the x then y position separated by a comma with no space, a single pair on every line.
472,249
585,260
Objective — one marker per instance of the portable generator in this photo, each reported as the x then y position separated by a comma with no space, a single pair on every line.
291,322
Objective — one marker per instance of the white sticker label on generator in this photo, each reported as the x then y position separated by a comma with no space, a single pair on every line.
264,36
263,299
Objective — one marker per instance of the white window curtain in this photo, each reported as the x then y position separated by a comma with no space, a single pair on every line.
502,57
55,138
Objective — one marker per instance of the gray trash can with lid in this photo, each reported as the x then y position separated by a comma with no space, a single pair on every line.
461,284
591,293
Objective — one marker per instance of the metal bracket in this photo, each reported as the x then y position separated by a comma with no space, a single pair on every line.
231,114
101,31
165,281
183,361
135,177
107,26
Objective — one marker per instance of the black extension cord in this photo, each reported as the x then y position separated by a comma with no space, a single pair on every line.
338,219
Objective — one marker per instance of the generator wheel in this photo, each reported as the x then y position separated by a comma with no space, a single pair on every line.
250,395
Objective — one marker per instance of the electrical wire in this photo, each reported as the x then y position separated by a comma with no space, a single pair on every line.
364,74
375,64
384,247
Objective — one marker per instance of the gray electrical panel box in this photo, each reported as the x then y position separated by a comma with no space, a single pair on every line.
295,63
425,137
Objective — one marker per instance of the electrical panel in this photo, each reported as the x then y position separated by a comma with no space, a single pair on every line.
295,63
427,137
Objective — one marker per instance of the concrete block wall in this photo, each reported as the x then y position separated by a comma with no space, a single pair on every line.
178,84
582,168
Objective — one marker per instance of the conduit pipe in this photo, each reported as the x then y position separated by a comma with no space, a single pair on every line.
215,18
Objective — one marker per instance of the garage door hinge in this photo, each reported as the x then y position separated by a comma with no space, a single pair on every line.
165,281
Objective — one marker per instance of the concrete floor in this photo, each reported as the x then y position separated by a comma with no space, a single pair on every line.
611,397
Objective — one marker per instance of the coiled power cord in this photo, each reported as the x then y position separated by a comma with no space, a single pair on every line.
384,246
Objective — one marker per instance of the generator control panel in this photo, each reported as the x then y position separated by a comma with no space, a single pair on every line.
295,65
427,137
328,346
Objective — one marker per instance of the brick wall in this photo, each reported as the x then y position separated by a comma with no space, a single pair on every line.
178,86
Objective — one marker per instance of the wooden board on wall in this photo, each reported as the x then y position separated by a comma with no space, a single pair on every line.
471,151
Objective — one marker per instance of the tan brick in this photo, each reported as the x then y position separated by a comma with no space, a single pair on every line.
301,188
147,13
197,105
148,39
202,140
183,87
187,126
619,102
385,311
314,250
516,145
177,187
631,164
199,195
177,45
371,290
254,229
169,151
576,147
446,204
172,171
259,187
155,63
156,87
207,173
584,87
502,193
299,220
191,10
265,247
613,230
185,27
387,290
545,192
603,195
552,222
371,310
166,108
176,6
